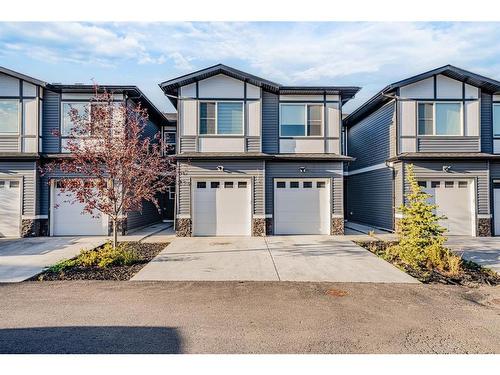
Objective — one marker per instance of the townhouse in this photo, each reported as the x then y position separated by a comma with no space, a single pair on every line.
34,124
446,122
256,157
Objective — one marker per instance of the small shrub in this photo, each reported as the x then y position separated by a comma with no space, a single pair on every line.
103,257
421,238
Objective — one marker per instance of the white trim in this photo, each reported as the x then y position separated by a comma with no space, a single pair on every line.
366,169
484,216
398,215
34,217
184,216
306,126
337,216
266,216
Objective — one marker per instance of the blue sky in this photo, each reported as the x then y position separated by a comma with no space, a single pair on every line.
370,55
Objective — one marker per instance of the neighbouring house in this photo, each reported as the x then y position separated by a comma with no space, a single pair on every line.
256,157
446,122
33,124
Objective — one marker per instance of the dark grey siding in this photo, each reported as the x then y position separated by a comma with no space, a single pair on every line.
270,123
486,123
370,198
317,169
232,169
369,140
50,122
444,144
478,170
148,215
151,130
28,172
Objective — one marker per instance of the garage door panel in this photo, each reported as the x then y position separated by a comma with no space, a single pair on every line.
68,218
454,199
302,209
10,208
221,207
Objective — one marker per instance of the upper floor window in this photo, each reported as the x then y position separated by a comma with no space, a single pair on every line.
496,120
169,139
440,119
67,125
9,116
221,118
301,120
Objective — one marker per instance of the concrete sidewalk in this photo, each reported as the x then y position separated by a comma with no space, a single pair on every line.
484,251
276,258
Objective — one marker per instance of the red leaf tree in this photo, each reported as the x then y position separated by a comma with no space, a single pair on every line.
117,167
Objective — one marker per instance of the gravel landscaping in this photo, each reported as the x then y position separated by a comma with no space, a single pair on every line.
472,275
144,253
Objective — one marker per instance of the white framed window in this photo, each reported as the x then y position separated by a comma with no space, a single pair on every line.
66,124
9,116
301,120
496,120
221,118
444,118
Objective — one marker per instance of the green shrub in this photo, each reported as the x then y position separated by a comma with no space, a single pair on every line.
103,257
421,238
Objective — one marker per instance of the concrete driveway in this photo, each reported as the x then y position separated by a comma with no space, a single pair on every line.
21,258
484,251
278,258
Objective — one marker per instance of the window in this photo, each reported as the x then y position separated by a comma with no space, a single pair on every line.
2,184
448,184
9,116
462,184
281,184
320,184
228,184
439,118
435,184
201,184
215,184
294,184
496,120
300,120
307,184
169,139
67,125
242,184
422,184
221,118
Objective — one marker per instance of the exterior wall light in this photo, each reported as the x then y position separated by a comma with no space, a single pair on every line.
220,168
302,169
447,168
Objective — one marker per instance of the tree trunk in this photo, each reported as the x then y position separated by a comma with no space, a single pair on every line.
115,233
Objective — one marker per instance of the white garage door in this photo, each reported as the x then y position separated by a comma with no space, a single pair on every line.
455,200
68,220
302,206
10,208
221,207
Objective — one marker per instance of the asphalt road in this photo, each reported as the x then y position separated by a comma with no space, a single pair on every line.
247,317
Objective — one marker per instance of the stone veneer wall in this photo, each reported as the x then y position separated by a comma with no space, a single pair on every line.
183,227
337,226
484,227
258,227
34,227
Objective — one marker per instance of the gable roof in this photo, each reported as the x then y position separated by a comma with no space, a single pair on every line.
450,71
24,77
171,87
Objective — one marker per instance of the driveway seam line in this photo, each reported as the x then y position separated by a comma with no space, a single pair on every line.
272,259
151,234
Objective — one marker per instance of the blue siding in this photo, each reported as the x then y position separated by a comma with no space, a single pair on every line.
270,123
369,141
148,215
370,198
50,122
486,123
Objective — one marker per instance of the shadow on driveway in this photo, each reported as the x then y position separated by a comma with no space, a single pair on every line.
91,340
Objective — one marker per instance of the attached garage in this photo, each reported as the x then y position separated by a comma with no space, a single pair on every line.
455,200
67,218
221,207
10,208
302,206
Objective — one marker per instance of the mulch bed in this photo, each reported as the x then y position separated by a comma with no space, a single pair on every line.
473,274
145,252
